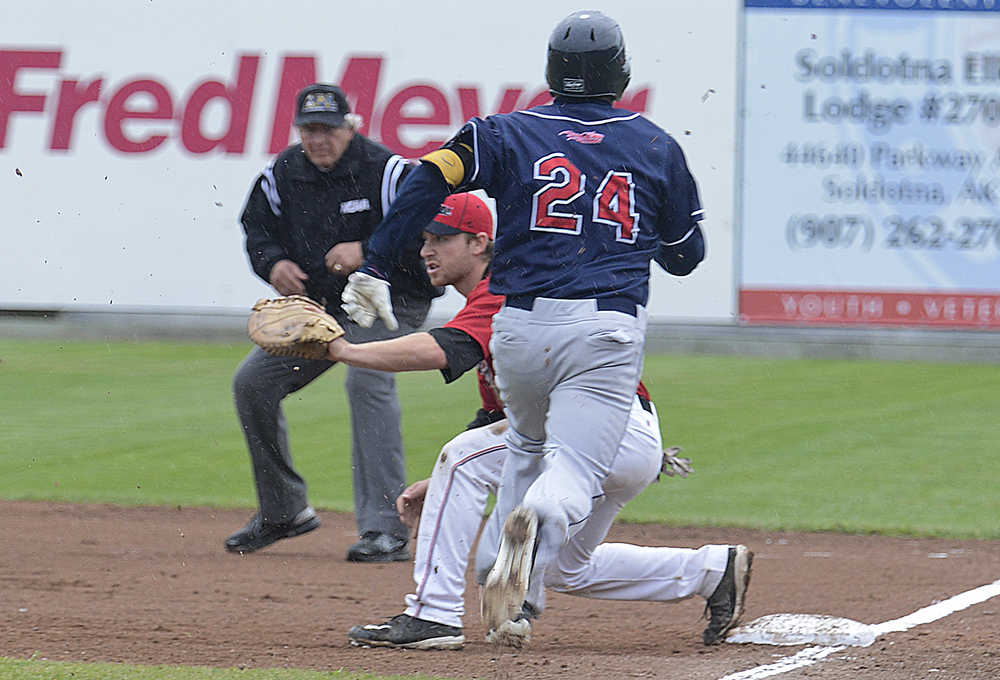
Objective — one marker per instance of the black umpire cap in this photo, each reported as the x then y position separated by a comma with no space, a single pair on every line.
321,103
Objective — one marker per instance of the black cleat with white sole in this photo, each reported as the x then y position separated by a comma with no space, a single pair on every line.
725,607
406,632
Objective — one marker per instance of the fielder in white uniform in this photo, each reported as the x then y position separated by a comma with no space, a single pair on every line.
470,467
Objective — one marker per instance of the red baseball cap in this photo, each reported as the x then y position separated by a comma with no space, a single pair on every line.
462,212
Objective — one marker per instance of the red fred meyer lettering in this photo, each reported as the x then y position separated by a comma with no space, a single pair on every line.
141,115
141,99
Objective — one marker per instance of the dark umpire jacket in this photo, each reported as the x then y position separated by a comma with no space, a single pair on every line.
298,212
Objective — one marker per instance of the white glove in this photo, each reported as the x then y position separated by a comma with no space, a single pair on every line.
674,465
365,299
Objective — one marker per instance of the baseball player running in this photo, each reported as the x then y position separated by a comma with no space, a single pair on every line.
457,249
587,196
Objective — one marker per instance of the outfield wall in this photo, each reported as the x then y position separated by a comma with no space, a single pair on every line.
130,134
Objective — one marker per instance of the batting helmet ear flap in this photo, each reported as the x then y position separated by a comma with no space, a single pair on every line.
587,58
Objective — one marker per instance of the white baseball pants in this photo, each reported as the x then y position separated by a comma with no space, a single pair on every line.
469,468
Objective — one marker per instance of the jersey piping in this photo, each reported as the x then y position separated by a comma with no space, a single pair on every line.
686,236
475,152
437,526
577,120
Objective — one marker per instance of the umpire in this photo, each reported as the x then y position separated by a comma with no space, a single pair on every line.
306,220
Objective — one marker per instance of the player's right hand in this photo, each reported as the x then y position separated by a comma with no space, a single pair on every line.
366,298
287,278
674,465
410,503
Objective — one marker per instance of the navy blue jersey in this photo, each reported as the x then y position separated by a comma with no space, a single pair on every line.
586,196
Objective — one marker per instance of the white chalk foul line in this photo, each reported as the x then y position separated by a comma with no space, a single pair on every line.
806,657
811,655
940,609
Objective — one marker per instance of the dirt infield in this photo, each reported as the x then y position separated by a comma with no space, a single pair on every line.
154,586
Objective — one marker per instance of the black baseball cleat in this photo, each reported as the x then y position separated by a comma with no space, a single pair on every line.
407,632
725,607
259,534
376,547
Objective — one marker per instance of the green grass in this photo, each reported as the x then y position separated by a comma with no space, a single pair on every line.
17,669
835,445
152,423
859,446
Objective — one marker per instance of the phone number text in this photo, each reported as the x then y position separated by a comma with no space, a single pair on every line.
804,231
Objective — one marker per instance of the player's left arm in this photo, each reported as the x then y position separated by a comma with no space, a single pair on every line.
366,296
463,352
455,165
420,195
449,350
681,244
413,352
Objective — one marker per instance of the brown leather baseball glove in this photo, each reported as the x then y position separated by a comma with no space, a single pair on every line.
292,326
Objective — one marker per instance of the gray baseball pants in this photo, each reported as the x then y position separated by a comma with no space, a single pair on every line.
567,373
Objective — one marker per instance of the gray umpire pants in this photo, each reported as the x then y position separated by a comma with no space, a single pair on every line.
261,383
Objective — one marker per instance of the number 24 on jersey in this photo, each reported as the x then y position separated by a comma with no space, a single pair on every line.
614,202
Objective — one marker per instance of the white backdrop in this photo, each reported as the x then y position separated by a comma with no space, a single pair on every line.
106,207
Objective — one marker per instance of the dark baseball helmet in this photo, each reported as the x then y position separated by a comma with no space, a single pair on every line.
587,57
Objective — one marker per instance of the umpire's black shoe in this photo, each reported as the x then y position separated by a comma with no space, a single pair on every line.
725,607
407,632
376,547
259,534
